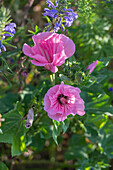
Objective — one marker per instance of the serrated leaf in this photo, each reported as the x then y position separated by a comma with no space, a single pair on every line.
13,131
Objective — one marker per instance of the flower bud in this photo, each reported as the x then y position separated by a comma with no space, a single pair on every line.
30,118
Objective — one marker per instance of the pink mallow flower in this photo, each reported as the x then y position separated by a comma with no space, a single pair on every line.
62,100
92,66
49,50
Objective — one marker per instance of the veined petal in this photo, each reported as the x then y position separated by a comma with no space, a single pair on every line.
37,63
27,50
58,105
69,46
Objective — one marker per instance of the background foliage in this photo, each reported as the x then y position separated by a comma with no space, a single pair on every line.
78,142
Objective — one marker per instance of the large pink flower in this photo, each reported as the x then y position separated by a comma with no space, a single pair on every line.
62,100
49,50
92,66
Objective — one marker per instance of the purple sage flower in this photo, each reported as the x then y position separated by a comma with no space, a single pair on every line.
10,29
51,13
57,26
2,47
68,21
70,16
50,4
67,15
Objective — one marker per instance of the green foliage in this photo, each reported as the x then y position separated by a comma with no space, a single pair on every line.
77,148
84,141
3,166
6,103
58,128
4,18
13,131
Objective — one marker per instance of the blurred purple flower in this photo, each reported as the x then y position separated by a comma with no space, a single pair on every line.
91,168
11,60
50,4
110,88
71,16
2,47
83,26
68,21
51,13
57,26
10,29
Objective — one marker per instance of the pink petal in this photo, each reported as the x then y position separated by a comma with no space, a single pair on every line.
27,50
37,63
92,66
80,104
80,112
41,36
69,46
40,58
57,117
58,105
50,50
58,59
52,91
52,68
47,102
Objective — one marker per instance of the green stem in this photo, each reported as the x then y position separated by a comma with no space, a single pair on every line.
52,79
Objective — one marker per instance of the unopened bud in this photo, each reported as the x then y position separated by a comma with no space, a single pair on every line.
30,118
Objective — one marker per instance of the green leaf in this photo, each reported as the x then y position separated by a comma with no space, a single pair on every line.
57,129
107,143
45,127
54,135
48,19
18,145
77,148
32,32
37,142
3,166
6,43
99,104
37,29
6,103
65,125
92,133
13,132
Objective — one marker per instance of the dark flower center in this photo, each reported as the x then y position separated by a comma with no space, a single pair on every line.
62,99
